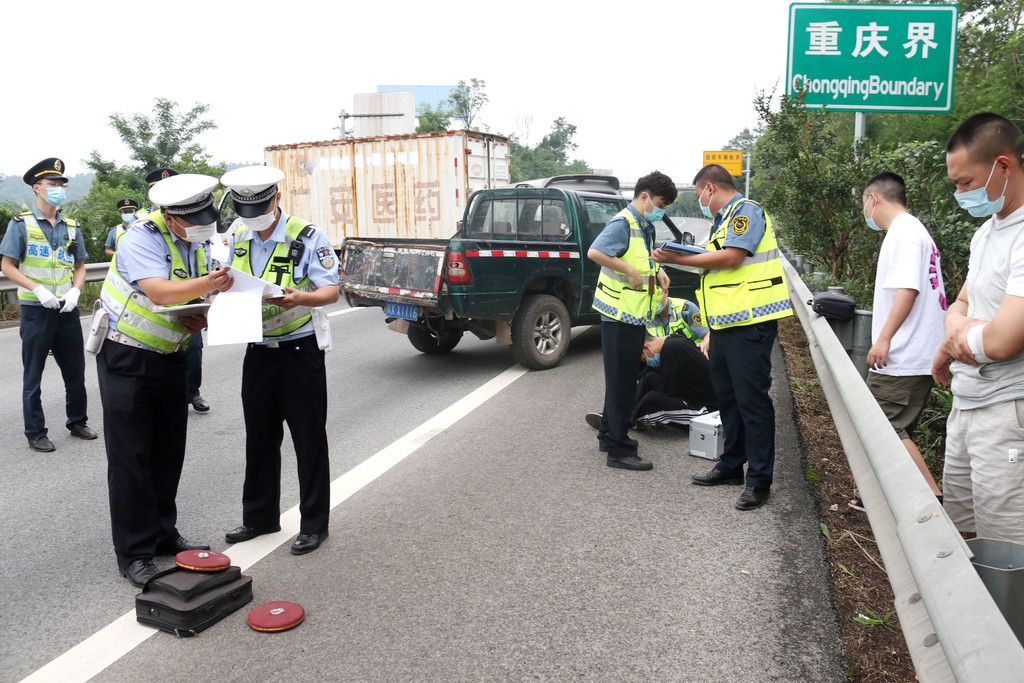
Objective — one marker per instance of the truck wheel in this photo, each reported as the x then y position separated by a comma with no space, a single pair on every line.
540,332
425,341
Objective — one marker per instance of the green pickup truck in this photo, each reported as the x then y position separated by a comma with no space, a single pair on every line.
516,271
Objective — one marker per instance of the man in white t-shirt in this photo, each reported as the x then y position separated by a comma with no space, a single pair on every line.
983,479
909,308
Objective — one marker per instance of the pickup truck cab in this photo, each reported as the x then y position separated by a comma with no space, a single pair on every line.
516,271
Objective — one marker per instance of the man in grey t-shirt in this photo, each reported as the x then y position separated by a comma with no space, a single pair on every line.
983,479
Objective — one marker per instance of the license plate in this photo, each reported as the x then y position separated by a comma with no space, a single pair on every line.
406,311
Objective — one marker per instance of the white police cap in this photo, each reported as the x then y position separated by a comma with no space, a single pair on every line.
252,188
189,195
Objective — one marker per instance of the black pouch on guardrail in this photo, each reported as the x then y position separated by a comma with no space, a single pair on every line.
832,305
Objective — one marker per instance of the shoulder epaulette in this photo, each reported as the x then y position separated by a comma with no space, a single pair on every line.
143,223
21,216
308,231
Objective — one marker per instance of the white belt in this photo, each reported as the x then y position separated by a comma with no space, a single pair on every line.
115,336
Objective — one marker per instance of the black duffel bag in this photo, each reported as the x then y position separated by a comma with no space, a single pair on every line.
833,305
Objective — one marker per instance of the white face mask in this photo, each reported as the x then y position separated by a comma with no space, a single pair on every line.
261,223
199,233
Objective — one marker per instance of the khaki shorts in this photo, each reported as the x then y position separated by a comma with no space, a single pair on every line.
901,398
983,477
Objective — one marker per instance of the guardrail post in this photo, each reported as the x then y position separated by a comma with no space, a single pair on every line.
1001,567
861,341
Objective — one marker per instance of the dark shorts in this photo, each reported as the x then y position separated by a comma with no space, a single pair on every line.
901,398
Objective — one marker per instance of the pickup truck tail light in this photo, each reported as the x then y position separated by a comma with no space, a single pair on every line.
458,269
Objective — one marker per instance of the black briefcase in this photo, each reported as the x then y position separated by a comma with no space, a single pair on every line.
185,602
833,305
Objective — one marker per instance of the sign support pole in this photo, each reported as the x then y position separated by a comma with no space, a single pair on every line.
746,193
860,124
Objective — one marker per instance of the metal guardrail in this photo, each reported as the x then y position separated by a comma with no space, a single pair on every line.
94,272
953,628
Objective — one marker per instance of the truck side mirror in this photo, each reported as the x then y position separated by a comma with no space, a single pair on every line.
688,237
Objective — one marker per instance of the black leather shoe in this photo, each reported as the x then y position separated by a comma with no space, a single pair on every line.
714,477
140,571
179,545
307,543
630,462
82,431
200,405
247,533
752,499
593,419
42,444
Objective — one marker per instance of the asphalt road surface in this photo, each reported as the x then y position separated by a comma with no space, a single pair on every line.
477,535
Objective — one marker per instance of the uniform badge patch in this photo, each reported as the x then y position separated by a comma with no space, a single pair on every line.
181,273
698,320
740,224
240,251
326,256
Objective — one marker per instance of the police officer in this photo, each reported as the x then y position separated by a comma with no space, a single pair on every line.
629,292
162,260
195,343
743,294
44,254
129,209
283,377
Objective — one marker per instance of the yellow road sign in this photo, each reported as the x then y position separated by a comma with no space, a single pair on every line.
731,160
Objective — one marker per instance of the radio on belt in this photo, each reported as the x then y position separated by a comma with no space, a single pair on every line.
707,438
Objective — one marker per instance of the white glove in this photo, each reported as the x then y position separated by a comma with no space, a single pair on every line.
46,297
71,300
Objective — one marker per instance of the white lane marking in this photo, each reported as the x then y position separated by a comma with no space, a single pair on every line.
109,644
347,310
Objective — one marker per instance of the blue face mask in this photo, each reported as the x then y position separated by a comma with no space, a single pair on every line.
55,196
654,361
706,210
870,220
127,218
977,203
655,214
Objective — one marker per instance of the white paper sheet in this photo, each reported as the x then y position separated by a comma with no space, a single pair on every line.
236,316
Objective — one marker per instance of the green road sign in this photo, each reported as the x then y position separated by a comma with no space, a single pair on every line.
893,58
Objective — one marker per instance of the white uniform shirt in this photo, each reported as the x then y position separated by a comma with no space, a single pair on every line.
909,259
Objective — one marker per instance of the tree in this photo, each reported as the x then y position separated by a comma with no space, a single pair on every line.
548,158
466,101
167,138
433,120
743,141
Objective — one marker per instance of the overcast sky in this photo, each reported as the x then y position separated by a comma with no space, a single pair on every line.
648,86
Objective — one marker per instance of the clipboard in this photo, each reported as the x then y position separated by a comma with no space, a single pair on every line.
176,312
684,248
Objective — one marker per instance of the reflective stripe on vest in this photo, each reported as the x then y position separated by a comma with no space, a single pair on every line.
277,320
614,296
753,292
44,265
133,311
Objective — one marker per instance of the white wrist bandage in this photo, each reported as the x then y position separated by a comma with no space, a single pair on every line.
975,340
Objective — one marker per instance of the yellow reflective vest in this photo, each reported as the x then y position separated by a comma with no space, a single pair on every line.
676,322
133,312
615,296
279,269
45,265
755,291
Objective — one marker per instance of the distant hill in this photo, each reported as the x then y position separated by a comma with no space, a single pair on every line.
13,188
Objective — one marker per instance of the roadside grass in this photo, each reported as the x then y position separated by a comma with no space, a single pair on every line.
872,640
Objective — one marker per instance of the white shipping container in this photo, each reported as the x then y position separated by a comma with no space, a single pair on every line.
405,186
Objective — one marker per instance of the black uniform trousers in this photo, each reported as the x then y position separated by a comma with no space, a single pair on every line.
44,330
622,345
145,421
285,384
194,353
741,371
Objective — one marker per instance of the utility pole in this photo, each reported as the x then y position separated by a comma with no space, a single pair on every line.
746,193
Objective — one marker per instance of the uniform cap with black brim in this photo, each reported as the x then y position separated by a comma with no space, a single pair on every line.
52,169
189,195
252,188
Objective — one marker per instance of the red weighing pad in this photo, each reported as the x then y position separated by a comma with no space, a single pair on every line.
279,615
202,560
